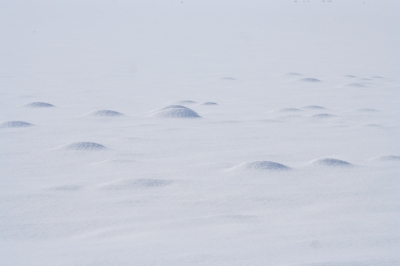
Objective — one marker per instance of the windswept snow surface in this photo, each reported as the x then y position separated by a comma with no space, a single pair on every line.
310,87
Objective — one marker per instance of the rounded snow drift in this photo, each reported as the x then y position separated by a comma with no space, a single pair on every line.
389,158
261,166
287,110
152,182
310,80
209,103
176,113
356,85
314,107
14,124
330,162
170,107
374,126
323,116
185,102
84,146
293,74
106,113
39,105
135,183
367,110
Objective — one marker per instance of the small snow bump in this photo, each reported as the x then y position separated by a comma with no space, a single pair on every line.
310,80
374,126
293,74
106,113
286,110
331,162
313,107
209,103
39,105
135,183
84,146
170,107
356,85
367,110
389,158
15,124
323,116
66,188
261,166
289,110
175,113
185,102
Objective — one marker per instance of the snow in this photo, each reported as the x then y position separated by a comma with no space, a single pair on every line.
294,161
39,105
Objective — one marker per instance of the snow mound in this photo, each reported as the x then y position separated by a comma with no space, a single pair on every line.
374,126
170,107
11,124
287,110
310,80
209,103
152,182
185,102
313,107
84,146
323,116
136,183
331,162
261,166
175,113
389,158
66,188
350,76
367,110
106,113
293,74
228,78
356,85
39,105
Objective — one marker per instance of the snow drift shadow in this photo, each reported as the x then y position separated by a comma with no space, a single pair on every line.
84,146
331,162
135,183
15,124
174,111
260,166
39,105
105,113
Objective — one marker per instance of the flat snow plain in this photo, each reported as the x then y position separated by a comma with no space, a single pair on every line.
200,133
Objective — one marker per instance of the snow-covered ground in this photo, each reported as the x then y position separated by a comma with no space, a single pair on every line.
202,132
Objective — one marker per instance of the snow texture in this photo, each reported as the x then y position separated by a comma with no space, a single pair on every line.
106,113
84,146
105,161
261,166
330,162
175,112
39,105
11,124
